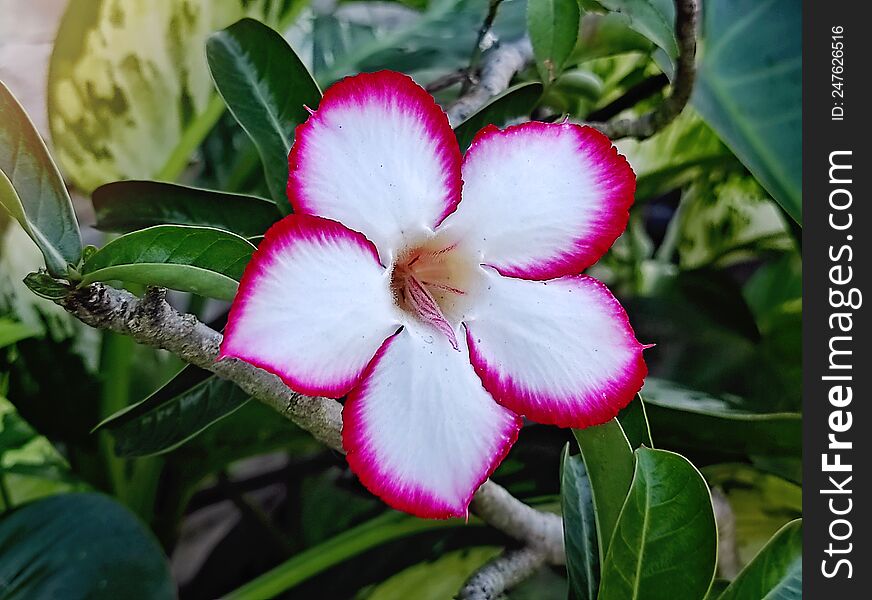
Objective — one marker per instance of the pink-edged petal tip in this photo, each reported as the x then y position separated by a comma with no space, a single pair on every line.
379,156
420,431
560,352
313,306
542,200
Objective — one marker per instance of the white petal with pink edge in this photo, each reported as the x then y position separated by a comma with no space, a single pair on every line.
559,352
542,200
380,157
313,306
420,431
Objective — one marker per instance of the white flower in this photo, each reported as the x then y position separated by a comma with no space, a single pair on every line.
442,321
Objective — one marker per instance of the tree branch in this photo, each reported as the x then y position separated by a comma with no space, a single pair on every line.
152,321
502,573
686,16
499,65
469,79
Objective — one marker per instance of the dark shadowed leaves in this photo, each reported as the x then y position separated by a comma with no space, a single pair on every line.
125,206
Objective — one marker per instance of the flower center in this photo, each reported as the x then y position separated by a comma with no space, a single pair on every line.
431,282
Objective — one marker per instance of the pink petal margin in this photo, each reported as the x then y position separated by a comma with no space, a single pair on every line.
585,409
363,462
383,87
612,173
279,237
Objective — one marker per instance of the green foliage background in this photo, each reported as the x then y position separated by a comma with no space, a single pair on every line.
175,117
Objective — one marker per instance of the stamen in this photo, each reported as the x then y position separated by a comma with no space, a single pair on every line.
425,306
443,287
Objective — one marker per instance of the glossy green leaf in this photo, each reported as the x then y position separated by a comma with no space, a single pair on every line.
126,206
32,191
129,94
80,546
687,419
202,260
579,529
553,27
267,88
775,573
514,103
608,460
189,403
45,286
665,543
748,88
652,18
634,421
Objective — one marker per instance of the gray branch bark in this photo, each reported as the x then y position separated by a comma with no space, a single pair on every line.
152,321
686,16
498,67
501,574
501,64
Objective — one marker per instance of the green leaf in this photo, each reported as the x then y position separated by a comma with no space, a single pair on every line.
189,403
266,87
748,88
32,191
608,460
775,573
46,286
579,529
634,421
205,261
129,95
687,419
515,102
125,206
13,331
553,27
652,18
80,546
665,543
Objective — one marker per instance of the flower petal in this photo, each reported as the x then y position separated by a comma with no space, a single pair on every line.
420,431
313,306
542,200
560,352
379,156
